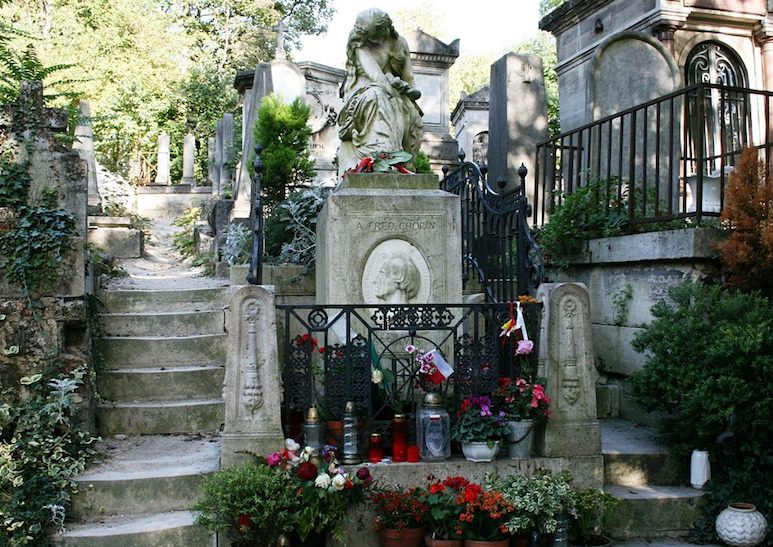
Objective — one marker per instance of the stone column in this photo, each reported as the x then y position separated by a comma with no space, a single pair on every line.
252,379
665,33
84,144
189,160
217,182
211,163
162,166
566,360
226,173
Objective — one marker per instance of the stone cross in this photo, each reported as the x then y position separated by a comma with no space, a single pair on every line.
189,159
162,167
84,144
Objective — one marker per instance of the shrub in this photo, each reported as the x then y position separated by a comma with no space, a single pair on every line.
291,229
709,369
238,240
747,255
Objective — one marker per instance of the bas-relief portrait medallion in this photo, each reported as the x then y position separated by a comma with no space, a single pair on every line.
396,272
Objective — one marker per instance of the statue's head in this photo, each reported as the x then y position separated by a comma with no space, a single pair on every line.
374,25
397,275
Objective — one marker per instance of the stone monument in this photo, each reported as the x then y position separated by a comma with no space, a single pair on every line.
84,144
212,165
380,114
518,118
189,158
252,377
566,360
162,165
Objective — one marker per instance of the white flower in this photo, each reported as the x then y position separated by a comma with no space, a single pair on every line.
338,482
292,445
308,452
322,481
377,376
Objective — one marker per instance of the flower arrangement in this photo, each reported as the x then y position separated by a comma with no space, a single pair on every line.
293,490
397,508
382,163
521,400
445,503
477,421
324,489
485,513
431,364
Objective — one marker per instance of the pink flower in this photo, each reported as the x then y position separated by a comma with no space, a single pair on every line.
273,459
524,347
410,348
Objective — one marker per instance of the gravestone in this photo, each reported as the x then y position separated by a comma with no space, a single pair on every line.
227,143
212,166
470,119
252,378
566,361
217,182
517,117
162,164
189,159
388,238
84,144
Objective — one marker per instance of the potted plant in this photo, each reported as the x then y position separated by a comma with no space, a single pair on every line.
445,502
399,516
591,507
293,492
484,517
523,403
479,428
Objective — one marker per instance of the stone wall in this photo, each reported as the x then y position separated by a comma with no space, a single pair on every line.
625,277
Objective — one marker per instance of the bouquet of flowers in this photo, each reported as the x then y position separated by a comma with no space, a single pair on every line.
324,489
521,400
445,503
477,421
398,508
485,513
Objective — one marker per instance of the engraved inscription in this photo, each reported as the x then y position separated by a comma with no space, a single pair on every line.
405,225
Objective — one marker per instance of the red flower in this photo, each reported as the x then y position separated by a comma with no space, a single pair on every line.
471,492
364,475
244,521
435,488
504,382
307,471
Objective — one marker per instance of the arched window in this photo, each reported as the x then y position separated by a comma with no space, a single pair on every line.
726,125
480,148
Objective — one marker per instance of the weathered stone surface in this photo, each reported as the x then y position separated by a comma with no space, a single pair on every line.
470,119
162,165
654,511
118,242
84,143
566,360
252,383
189,159
517,117
169,201
371,217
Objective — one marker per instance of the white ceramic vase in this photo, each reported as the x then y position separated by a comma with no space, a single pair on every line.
741,525
480,452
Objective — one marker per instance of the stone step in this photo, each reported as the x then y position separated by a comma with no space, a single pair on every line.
127,300
143,475
156,351
653,511
633,456
160,417
154,384
188,323
173,529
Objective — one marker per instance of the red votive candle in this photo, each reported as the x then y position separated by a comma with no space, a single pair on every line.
399,438
376,448
413,453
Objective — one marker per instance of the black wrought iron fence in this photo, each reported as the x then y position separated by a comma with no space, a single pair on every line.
329,354
663,160
498,248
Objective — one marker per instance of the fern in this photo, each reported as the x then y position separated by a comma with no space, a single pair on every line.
18,67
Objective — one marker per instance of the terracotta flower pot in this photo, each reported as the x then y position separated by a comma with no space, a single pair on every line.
406,537
482,543
431,542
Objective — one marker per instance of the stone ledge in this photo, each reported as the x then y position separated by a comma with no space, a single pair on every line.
175,189
393,181
689,243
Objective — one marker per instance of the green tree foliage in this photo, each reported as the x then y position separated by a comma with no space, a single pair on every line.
284,132
714,394
544,47
546,6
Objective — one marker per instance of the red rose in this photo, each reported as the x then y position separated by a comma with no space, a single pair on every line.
244,521
307,471
364,475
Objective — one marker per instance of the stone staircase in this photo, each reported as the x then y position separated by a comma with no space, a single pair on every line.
160,413
654,507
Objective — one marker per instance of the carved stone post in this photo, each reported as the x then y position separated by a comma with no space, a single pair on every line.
189,160
566,360
162,166
252,380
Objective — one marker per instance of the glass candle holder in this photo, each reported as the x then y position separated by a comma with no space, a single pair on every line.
312,430
399,438
376,448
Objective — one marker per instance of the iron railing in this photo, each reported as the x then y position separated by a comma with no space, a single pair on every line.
663,160
329,353
498,247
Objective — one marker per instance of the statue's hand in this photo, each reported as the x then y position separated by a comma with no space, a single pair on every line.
405,88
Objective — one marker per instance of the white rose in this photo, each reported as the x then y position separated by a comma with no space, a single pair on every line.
377,376
292,445
338,482
322,481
